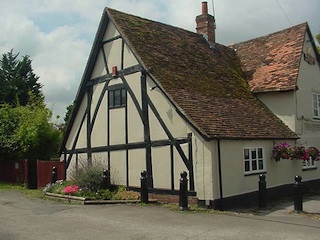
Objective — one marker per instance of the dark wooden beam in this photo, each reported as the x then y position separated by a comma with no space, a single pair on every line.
146,128
170,136
121,73
89,128
111,39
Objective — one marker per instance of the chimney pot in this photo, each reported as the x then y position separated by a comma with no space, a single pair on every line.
204,8
206,24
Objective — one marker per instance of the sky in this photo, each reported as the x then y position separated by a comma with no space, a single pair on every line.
58,34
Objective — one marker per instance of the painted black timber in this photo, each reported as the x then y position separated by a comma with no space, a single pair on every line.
172,166
111,39
170,136
121,73
75,141
89,128
86,75
99,104
108,134
127,141
122,54
220,169
133,97
105,60
191,174
146,127
129,146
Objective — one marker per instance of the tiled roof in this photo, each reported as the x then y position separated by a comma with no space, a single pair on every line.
271,63
206,83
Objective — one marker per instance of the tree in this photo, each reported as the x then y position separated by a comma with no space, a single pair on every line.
26,132
17,80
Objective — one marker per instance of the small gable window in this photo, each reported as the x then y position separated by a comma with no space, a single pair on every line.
316,105
117,97
253,160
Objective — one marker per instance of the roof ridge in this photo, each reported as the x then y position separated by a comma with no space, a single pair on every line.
150,20
271,34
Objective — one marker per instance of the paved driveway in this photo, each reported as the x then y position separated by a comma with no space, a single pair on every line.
33,219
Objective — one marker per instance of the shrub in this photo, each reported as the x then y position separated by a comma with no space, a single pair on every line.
89,177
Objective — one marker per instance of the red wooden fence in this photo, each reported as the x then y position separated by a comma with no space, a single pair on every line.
14,171
22,172
44,171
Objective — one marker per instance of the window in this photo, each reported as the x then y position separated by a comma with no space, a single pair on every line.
316,105
309,164
253,160
117,97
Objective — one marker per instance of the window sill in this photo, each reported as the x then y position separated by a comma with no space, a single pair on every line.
309,168
255,173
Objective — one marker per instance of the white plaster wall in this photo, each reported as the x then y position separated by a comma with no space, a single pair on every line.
308,83
117,126
137,163
203,151
174,122
135,126
130,59
118,167
205,171
99,132
277,173
282,104
161,165
76,125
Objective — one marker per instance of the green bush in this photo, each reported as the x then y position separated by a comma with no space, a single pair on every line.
89,178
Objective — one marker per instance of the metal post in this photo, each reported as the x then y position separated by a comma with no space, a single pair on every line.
262,191
54,175
298,195
144,187
106,179
183,197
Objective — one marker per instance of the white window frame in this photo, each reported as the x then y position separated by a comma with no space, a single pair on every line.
316,105
309,164
253,160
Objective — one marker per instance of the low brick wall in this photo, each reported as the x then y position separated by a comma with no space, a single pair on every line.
165,198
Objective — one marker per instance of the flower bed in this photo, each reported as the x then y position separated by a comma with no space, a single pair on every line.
68,191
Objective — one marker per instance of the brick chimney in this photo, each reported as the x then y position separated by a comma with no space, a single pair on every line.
206,24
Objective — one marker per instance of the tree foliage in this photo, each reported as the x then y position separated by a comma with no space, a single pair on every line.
26,132
17,80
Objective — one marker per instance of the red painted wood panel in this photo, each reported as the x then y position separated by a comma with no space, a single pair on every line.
44,171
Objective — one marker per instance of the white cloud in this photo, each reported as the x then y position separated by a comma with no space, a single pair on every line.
57,34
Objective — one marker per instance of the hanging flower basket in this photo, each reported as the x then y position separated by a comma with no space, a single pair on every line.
285,151
282,151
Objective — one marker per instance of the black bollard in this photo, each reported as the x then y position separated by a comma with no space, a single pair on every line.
144,187
183,197
106,179
262,191
54,175
298,198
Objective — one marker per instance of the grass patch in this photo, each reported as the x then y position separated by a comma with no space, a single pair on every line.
37,193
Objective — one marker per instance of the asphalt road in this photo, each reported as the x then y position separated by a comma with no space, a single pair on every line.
34,219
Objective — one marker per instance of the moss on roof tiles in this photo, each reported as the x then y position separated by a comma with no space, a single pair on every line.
204,81
271,62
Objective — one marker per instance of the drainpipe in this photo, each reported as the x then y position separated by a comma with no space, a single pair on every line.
220,175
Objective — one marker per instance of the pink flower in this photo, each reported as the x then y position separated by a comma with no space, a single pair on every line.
71,189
